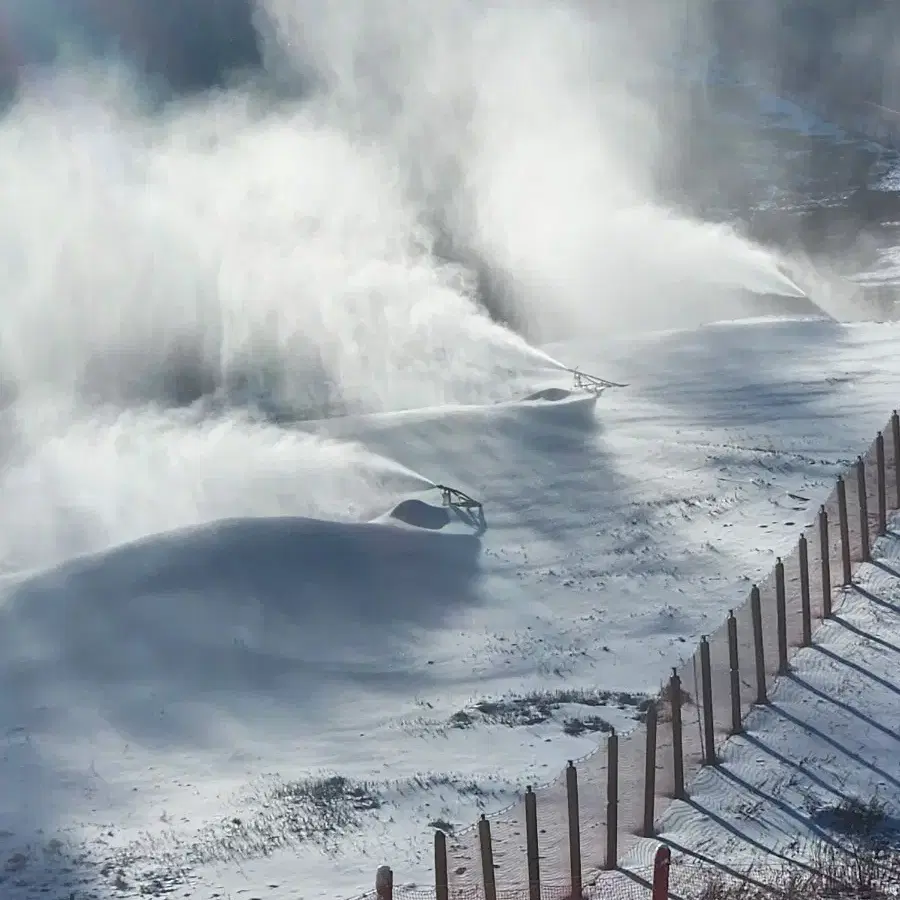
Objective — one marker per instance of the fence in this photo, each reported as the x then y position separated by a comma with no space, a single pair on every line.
566,839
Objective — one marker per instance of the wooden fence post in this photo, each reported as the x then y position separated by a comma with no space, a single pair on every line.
574,830
487,859
531,844
805,604
844,528
882,483
612,802
650,770
661,863
895,433
709,741
441,877
737,725
863,510
384,883
677,735
781,617
825,554
758,647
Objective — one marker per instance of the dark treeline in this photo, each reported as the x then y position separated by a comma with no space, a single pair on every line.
186,45
843,51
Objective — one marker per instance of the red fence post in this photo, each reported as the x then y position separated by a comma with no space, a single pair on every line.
384,883
661,863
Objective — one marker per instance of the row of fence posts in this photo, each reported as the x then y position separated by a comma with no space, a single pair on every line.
662,860
673,695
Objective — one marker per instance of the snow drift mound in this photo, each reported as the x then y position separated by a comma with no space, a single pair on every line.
421,515
551,395
244,607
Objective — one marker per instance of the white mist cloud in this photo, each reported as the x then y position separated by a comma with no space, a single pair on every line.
534,132
73,484
264,244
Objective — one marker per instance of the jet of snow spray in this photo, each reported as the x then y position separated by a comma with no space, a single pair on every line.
392,467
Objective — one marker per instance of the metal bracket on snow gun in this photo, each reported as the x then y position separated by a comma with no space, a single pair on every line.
593,384
453,497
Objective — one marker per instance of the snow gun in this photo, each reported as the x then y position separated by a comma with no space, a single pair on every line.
458,499
592,384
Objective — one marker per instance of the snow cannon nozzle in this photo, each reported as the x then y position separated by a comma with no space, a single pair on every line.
591,383
453,497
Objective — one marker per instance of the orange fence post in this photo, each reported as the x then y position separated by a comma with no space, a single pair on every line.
661,865
384,883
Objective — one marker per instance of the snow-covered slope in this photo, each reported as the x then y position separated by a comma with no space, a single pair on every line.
828,740
247,702
247,656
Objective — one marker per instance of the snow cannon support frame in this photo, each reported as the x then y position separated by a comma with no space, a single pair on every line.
591,383
453,497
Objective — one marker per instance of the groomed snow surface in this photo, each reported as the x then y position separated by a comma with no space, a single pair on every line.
827,742
272,707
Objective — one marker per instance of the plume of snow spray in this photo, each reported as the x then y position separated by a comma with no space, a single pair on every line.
119,476
259,245
530,131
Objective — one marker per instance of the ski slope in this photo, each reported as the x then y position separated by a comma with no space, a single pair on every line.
827,741
247,656
169,700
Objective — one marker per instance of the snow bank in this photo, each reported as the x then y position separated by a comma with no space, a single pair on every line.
241,609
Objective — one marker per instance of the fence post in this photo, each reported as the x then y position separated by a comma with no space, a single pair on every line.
734,671
441,878
531,845
895,432
758,649
384,883
845,529
805,605
487,859
661,863
574,829
882,483
650,770
709,742
677,735
612,802
863,509
825,553
781,617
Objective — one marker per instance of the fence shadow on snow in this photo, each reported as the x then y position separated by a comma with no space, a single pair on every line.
565,840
